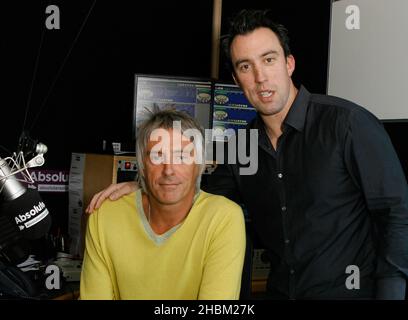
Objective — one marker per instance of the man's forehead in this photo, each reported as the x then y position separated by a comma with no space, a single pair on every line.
167,138
262,39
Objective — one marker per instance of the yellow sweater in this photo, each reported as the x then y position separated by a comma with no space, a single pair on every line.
202,258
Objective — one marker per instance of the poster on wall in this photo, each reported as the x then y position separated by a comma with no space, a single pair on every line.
49,180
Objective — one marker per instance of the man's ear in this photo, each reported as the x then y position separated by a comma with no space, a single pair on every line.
235,79
290,64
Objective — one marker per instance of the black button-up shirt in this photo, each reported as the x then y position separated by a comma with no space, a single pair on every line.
332,195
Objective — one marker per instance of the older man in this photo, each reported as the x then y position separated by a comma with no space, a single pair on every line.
169,239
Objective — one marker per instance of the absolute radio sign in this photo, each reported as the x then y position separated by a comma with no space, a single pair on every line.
50,180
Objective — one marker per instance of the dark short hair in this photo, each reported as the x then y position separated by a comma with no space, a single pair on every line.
247,21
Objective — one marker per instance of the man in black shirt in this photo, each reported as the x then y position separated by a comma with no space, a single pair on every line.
329,198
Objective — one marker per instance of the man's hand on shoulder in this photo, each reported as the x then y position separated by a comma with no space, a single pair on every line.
113,192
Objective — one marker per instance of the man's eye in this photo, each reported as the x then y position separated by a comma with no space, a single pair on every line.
269,60
244,67
155,157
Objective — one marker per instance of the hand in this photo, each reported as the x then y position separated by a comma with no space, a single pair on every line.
113,192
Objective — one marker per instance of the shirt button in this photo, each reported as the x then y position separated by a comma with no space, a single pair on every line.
292,271
283,208
287,241
280,175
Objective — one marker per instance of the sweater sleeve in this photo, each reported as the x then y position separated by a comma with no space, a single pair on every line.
96,283
225,257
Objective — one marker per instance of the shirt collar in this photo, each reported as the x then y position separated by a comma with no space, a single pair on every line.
296,116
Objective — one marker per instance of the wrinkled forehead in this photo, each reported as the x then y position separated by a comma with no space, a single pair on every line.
168,139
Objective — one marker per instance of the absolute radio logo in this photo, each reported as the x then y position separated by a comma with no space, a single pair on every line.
49,177
32,217
50,180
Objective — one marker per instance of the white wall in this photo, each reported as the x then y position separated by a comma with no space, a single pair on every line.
370,65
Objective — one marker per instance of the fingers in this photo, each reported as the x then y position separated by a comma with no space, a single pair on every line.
91,205
100,197
116,195
113,192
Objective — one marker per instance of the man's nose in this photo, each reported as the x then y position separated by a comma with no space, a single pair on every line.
259,74
168,169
